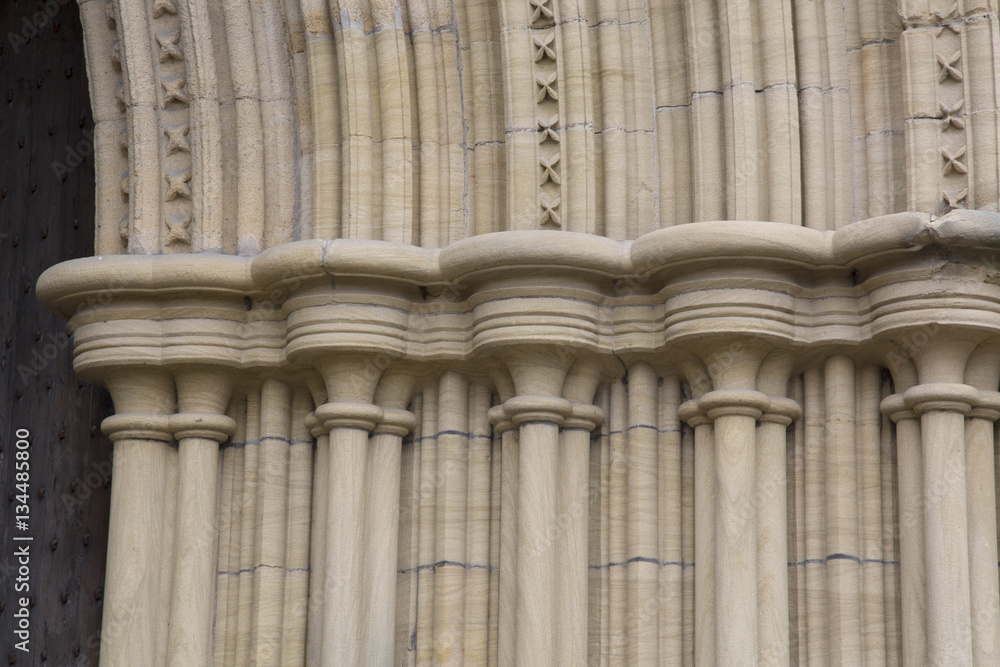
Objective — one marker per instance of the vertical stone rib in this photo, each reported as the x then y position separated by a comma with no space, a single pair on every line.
270,523
643,618
688,546
324,95
982,46
519,114
248,532
814,562
670,523
641,167
705,629
451,479
478,530
278,120
227,512
739,107
305,181
317,547
428,125
250,201
616,639
672,112
396,126
576,120
611,122
705,82
890,535
506,632
422,639
110,161
797,527
225,642
482,86
140,95
869,479
780,198
357,124
842,565
205,127
296,523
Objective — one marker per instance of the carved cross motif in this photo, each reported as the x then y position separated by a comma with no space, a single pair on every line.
541,10
950,117
548,170
953,201
953,161
548,129
949,15
546,87
549,212
177,185
177,138
174,90
543,45
177,227
948,68
162,7
168,46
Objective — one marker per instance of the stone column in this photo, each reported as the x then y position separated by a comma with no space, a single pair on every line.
574,512
734,414
550,567
941,408
135,607
910,472
704,531
981,501
538,419
382,537
199,428
772,530
348,424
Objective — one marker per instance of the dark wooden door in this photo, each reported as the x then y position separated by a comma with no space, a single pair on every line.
46,217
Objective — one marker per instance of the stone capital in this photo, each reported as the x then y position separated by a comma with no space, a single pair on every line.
349,414
396,421
208,425
138,426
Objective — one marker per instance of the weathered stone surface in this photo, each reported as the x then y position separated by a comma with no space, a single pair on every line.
546,332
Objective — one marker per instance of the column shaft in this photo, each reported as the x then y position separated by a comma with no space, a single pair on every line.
704,545
772,545
983,573
192,607
134,605
735,540
537,516
345,563
382,547
912,570
572,572
949,640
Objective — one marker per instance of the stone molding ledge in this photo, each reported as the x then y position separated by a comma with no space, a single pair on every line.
660,297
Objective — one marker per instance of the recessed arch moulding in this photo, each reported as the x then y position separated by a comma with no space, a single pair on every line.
462,331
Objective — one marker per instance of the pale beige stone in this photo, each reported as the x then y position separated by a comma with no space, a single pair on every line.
545,331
